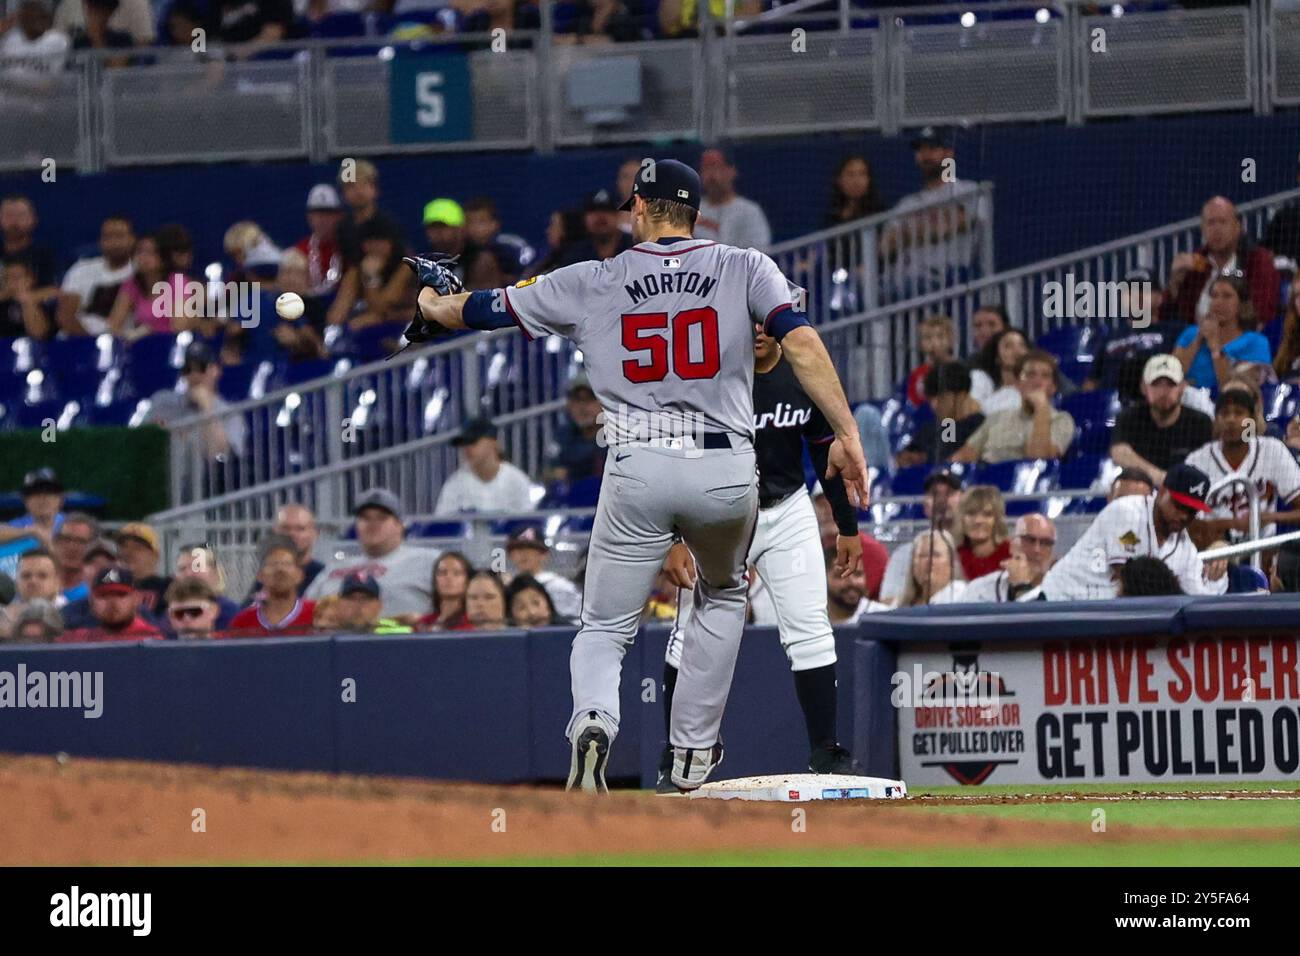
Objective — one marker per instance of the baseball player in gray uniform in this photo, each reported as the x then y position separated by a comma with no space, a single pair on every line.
666,331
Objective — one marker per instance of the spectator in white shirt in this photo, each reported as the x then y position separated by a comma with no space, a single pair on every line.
31,51
935,576
90,287
484,481
725,215
406,573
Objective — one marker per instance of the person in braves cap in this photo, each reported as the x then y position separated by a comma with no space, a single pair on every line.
528,552
115,606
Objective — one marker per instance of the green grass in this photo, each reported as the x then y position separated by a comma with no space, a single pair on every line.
1191,853
1181,814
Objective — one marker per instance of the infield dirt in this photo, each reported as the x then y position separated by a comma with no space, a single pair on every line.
115,812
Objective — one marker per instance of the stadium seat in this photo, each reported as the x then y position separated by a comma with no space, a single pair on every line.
1094,416
36,414
115,413
1080,471
77,364
150,367
1073,347
437,529
17,358
236,380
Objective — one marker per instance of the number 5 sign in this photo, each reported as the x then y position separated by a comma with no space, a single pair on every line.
429,99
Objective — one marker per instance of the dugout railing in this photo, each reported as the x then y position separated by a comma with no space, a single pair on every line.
790,71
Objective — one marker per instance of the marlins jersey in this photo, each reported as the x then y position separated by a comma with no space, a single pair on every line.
1124,529
666,331
1268,465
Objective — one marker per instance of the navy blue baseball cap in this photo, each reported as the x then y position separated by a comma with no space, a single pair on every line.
666,179
1189,486
359,583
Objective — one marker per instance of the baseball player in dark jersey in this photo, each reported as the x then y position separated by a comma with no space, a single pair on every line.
787,550
666,331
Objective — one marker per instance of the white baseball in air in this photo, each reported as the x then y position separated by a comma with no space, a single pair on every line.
289,306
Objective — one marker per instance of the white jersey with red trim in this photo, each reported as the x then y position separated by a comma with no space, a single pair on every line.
666,331
1268,464
1124,529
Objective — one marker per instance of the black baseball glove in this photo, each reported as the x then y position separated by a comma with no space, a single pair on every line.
434,273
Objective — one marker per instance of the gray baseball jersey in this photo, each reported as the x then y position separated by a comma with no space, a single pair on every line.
665,330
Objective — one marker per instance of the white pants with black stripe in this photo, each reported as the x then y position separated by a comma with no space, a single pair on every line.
787,551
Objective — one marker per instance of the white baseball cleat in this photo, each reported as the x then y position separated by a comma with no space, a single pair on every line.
692,766
590,753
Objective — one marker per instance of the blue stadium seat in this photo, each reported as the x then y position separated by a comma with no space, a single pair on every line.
1094,416
235,381
77,364
17,358
35,414
583,493
1073,347
1080,471
438,529
334,25
149,364
114,413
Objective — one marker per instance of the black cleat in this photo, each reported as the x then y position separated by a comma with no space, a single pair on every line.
590,753
833,759
663,781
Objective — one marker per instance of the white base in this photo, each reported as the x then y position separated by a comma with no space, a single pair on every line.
801,787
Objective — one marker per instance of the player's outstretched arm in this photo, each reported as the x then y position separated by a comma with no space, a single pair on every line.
445,310
813,367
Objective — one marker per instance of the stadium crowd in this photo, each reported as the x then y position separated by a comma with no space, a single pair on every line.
1188,389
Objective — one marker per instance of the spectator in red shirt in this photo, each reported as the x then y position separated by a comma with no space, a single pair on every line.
938,339
115,606
192,609
451,574
1224,248
280,610
322,248
983,541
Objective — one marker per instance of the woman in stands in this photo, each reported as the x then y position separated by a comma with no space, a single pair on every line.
1005,350
1287,363
529,603
565,230
854,195
451,574
1213,349
936,576
988,322
983,541
485,602
133,311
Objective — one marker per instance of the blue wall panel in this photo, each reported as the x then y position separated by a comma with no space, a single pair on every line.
117,732
454,707
271,699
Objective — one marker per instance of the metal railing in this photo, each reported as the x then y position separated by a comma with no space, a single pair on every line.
1252,504
847,69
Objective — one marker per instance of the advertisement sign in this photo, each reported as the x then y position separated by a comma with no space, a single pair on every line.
1114,710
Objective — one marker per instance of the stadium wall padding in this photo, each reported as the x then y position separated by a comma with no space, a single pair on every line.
492,708
1059,188
127,467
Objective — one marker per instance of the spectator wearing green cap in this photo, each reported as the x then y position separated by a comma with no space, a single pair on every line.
444,227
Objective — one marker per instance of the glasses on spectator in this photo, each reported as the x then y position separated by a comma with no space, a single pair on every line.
186,613
1041,542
